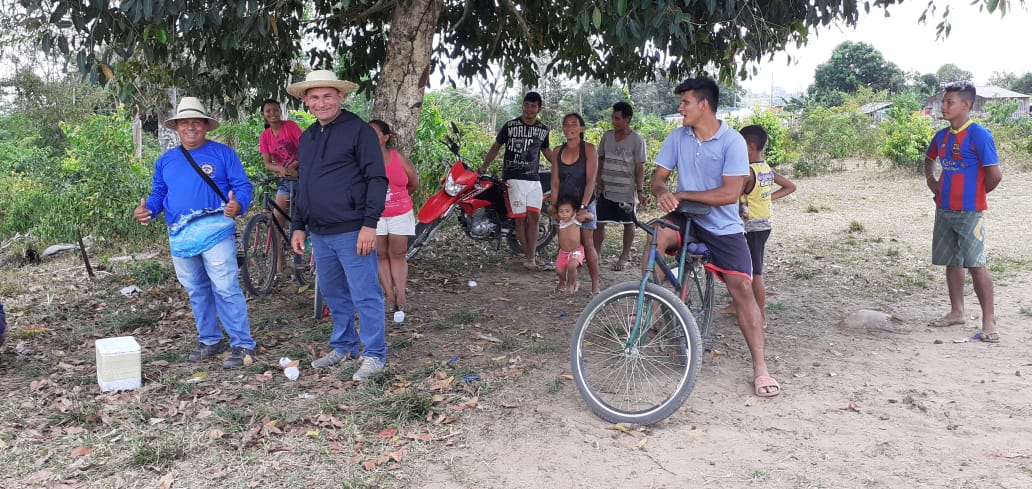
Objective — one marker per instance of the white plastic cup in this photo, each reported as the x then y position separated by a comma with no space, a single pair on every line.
472,283
292,373
283,362
399,317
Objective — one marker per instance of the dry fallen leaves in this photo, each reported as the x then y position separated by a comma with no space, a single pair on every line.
80,451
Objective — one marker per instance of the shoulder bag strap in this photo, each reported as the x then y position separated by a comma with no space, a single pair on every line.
203,175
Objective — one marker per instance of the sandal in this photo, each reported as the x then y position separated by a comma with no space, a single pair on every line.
990,337
766,386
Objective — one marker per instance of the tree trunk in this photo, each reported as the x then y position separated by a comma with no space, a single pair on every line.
399,93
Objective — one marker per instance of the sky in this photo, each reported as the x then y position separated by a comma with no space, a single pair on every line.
979,42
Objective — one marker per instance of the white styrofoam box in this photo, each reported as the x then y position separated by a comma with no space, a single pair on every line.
118,364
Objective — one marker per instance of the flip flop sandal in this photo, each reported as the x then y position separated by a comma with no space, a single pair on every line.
990,337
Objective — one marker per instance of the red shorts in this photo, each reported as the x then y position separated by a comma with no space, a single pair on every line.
565,257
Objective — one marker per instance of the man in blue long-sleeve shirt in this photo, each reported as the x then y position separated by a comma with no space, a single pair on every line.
201,230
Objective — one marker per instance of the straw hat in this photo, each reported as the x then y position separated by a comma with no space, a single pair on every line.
191,108
320,79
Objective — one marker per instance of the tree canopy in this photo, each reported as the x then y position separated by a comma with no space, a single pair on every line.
949,73
853,65
239,46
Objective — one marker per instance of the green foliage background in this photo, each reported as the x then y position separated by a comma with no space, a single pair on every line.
79,173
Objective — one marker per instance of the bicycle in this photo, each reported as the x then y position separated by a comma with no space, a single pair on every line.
261,256
636,349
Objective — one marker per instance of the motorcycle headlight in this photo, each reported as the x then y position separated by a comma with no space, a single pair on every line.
451,188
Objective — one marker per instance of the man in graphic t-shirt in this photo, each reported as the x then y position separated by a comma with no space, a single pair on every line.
525,139
970,170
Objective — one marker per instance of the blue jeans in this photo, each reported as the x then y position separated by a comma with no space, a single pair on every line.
210,279
349,281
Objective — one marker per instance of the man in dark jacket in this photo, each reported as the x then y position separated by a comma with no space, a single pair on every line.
342,186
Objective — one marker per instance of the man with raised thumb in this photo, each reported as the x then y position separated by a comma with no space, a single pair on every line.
197,186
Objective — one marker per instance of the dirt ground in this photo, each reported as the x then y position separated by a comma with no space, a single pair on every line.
912,407
918,407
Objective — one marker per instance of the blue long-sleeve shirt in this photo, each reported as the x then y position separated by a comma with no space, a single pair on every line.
177,189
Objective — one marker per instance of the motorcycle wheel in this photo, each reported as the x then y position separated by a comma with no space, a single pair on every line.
546,232
423,234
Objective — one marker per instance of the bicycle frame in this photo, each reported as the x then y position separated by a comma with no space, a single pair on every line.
643,316
679,280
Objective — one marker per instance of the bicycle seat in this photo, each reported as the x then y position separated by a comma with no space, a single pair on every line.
692,209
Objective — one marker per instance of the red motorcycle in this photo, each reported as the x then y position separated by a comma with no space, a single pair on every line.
479,202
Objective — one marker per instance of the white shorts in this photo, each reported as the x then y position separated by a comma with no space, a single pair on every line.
403,225
524,195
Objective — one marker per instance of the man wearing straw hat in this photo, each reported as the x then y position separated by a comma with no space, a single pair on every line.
342,187
200,212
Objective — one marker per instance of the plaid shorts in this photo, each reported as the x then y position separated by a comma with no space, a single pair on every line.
958,239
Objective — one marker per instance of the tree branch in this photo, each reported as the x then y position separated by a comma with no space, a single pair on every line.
520,20
465,13
376,8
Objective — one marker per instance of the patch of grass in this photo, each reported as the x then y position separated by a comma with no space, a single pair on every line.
423,371
804,273
402,342
541,347
148,272
814,209
80,413
997,268
170,356
161,453
557,385
258,367
759,475
804,482
856,227
510,343
1025,311
400,407
892,252
775,306
463,317
234,419
124,323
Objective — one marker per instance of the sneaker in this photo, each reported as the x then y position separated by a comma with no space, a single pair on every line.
239,357
204,352
370,366
332,358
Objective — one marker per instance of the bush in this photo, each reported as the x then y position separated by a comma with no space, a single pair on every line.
826,135
777,150
906,134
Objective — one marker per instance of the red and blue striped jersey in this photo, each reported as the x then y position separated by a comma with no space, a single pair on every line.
963,155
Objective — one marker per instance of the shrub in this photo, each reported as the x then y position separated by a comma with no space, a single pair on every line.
826,135
906,134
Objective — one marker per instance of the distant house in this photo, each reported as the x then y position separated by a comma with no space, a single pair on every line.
983,95
876,111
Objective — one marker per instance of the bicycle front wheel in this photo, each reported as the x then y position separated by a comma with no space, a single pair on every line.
635,376
260,250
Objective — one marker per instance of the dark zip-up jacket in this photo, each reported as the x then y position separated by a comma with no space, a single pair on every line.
342,180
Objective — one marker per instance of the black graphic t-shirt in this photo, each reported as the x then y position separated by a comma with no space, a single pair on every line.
523,145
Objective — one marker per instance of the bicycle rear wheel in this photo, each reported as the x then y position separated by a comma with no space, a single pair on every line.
260,255
628,380
698,296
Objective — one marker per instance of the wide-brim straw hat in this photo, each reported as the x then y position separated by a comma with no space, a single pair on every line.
191,108
320,79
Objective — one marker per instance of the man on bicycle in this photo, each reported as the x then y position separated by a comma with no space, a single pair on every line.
712,164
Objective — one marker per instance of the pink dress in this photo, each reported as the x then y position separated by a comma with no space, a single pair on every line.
398,199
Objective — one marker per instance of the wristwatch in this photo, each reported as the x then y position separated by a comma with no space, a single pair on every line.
583,206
